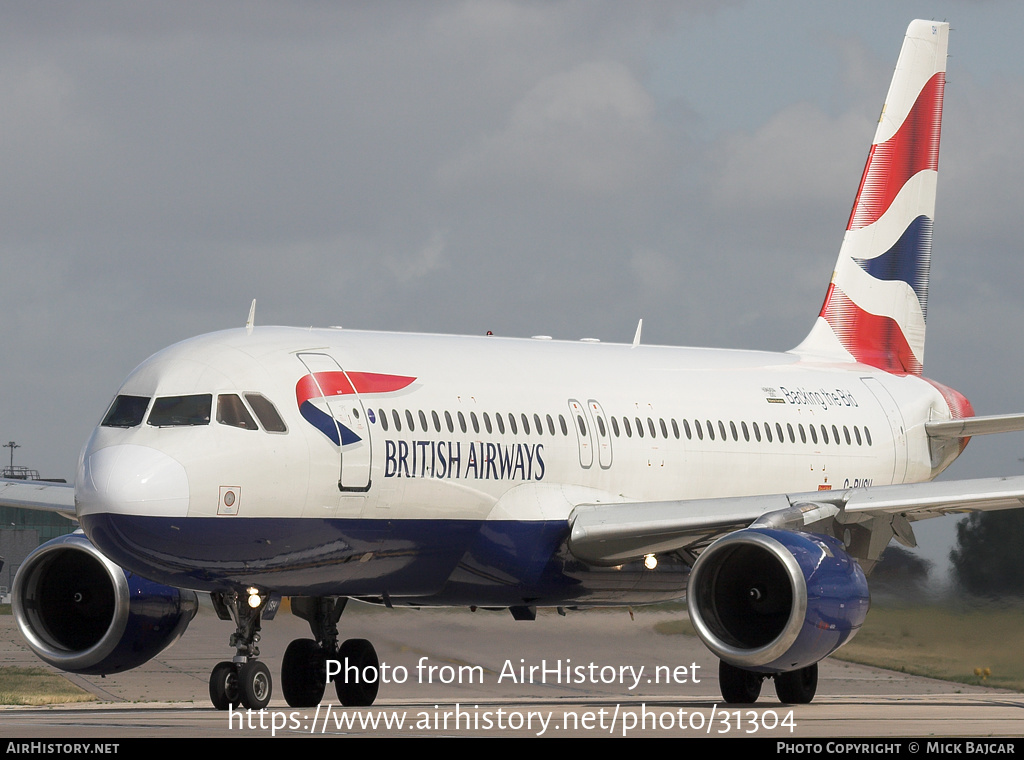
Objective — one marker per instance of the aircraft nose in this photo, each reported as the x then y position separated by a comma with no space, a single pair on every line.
131,479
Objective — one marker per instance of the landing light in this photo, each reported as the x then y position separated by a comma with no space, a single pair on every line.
254,597
650,561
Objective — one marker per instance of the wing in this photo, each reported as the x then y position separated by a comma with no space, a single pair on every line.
610,534
38,495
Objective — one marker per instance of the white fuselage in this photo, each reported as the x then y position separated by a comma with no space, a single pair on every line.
427,469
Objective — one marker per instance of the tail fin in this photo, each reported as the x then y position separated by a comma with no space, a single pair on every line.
877,302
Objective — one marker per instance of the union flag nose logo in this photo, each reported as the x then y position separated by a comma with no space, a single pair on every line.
317,386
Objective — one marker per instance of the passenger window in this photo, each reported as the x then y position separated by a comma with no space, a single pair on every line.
423,421
526,423
475,421
462,422
487,423
551,425
266,413
383,420
126,412
232,412
181,411
436,420
615,426
538,424
410,420
501,422
398,420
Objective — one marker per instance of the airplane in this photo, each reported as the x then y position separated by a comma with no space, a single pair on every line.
327,465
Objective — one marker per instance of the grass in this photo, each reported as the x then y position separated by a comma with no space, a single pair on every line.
949,643
36,686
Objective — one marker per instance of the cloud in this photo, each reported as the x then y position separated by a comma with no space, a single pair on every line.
590,130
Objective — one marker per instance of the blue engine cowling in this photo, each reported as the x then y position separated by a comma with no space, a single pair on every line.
773,601
81,613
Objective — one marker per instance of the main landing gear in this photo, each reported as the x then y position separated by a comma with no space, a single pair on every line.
304,670
743,687
244,681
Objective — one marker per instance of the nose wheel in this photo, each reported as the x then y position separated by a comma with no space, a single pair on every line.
248,685
244,682
224,686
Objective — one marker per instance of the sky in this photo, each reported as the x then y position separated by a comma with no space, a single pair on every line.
561,168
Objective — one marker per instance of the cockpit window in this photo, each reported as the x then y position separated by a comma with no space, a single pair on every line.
175,411
126,412
231,411
267,413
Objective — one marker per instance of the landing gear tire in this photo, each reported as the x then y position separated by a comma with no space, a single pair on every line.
255,685
303,673
798,686
224,691
361,691
739,687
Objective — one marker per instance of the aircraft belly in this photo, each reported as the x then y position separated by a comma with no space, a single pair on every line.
439,562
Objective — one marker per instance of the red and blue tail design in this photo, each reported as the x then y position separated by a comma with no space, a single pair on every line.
876,305
320,386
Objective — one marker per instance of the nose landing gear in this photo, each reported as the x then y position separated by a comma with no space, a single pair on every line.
244,681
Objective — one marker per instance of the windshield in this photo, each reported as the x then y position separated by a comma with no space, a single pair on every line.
174,411
126,412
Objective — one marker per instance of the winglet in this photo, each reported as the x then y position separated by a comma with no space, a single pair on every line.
252,318
636,338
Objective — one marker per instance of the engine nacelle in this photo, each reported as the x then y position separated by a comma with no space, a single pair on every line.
773,601
80,612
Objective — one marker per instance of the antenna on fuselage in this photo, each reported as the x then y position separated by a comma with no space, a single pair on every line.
636,338
252,318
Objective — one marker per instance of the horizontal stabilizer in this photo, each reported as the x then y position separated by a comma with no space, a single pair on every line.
969,426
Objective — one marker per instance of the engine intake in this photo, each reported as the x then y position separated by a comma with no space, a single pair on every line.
774,600
81,613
